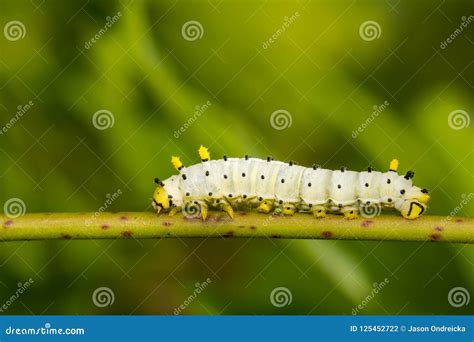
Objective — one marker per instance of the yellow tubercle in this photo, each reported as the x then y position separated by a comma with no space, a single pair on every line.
204,153
176,162
394,165
423,198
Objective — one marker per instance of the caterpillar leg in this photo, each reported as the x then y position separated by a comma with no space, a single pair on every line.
318,211
412,209
265,207
225,206
350,213
204,211
288,209
174,211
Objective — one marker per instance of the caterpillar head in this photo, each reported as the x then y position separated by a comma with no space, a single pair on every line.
413,201
167,195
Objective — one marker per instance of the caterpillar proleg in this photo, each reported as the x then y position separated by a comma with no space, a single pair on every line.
230,184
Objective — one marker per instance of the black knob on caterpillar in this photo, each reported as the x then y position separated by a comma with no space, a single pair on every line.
157,181
409,175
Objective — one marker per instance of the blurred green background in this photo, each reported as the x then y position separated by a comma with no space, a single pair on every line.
151,74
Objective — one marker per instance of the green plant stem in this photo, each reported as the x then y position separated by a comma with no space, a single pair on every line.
249,224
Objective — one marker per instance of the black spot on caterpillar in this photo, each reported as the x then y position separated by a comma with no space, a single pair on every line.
246,183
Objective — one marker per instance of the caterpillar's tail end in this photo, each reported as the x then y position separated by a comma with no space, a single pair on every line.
412,209
204,153
161,200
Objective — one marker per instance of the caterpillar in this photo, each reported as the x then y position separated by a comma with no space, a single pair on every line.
265,184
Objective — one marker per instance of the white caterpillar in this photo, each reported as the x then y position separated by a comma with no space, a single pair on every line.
240,183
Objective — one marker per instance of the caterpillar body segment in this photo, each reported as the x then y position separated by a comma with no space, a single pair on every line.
266,185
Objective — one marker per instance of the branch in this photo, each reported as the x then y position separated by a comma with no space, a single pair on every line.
245,224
